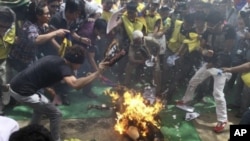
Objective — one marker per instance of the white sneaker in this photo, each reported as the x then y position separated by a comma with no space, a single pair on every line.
6,95
185,107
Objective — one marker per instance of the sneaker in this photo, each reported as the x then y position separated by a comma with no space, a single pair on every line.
183,106
5,94
220,127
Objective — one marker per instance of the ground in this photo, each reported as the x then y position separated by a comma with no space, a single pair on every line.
101,129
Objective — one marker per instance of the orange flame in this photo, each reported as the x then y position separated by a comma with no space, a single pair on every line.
136,111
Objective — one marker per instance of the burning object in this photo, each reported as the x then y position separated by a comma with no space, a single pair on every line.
137,117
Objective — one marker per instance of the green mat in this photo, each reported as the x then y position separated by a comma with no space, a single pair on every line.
174,127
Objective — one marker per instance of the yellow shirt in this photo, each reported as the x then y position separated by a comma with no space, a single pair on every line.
176,38
151,21
106,15
8,39
130,27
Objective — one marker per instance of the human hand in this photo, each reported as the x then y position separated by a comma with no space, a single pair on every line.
226,69
61,32
86,41
103,65
208,53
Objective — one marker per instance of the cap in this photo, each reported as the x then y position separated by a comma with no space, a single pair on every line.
137,34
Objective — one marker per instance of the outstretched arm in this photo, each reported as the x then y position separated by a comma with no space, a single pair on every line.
241,68
78,83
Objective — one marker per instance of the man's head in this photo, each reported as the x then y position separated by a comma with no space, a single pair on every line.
38,12
155,5
107,4
54,6
214,21
132,10
75,56
8,17
32,132
100,27
74,9
137,37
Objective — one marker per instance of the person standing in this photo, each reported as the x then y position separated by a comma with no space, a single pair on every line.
216,47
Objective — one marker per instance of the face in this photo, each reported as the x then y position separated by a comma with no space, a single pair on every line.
137,41
108,5
73,16
154,6
4,26
45,17
54,7
132,15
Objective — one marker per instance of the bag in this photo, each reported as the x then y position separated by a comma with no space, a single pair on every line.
246,78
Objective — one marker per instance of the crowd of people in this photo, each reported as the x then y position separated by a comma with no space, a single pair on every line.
58,45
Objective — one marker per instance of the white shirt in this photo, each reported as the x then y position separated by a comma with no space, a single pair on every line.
8,126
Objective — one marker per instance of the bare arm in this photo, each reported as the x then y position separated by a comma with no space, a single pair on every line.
46,37
79,83
241,68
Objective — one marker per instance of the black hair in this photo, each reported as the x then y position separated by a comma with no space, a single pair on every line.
33,132
132,6
214,17
100,25
35,9
75,54
50,1
72,6
7,14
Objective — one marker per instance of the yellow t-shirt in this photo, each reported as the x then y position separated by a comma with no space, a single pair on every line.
176,38
7,40
106,15
151,21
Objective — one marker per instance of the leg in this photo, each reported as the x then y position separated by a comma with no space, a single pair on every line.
198,77
219,97
51,111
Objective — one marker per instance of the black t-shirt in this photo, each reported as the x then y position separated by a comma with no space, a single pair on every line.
216,42
43,73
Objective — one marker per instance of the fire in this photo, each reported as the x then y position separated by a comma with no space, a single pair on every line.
135,111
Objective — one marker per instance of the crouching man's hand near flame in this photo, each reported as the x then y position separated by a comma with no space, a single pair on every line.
102,66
